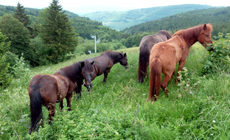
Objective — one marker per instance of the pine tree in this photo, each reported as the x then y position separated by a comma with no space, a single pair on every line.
57,33
5,77
21,15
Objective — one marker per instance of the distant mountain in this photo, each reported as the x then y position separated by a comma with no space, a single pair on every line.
218,17
125,19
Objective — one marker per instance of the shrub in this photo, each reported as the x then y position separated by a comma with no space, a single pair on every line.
218,59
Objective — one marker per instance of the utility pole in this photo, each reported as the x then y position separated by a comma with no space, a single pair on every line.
96,41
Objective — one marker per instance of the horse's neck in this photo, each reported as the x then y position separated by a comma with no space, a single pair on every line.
114,57
190,36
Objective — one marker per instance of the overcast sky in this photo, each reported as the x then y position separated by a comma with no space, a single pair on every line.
72,5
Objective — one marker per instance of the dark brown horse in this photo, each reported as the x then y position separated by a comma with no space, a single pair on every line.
165,55
102,64
146,45
49,89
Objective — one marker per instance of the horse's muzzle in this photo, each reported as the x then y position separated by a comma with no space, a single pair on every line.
89,87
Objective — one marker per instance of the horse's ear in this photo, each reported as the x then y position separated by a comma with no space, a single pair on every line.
125,55
121,54
204,27
92,63
82,64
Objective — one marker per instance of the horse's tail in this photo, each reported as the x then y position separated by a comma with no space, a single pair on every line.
35,108
143,62
155,79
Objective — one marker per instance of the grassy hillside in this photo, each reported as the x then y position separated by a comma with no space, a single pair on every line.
218,17
197,109
122,20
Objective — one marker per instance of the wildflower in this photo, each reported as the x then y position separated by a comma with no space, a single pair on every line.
2,133
213,121
211,134
143,94
190,92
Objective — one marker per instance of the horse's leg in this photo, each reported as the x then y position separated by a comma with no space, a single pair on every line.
61,104
68,98
164,84
51,108
181,65
105,75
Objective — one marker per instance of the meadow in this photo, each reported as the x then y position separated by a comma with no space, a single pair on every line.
197,108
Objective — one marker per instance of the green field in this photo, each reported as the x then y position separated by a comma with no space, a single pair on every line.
198,108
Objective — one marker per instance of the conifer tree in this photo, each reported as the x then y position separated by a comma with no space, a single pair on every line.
57,33
5,77
21,15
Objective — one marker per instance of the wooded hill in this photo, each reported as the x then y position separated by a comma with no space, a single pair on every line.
218,17
125,19
83,26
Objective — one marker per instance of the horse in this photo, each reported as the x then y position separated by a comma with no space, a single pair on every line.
102,64
47,90
146,44
165,55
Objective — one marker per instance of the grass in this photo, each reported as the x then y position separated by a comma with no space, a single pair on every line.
198,109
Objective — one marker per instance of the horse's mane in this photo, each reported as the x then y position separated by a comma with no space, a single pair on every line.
166,33
192,32
72,72
112,54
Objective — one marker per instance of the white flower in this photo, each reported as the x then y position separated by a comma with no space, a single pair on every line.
143,94
190,92
211,134
1,132
214,121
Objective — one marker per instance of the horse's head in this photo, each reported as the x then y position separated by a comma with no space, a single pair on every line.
87,71
205,37
124,61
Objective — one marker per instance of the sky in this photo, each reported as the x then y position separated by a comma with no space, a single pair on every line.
109,5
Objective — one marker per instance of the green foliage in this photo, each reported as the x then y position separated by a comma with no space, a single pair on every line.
11,59
18,35
57,33
218,59
5,77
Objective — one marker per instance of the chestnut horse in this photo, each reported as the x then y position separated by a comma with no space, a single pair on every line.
165,55
102,64
146,45
48,89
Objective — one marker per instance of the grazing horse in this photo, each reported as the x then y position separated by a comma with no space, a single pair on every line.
48,89
165,55
146,45
103,63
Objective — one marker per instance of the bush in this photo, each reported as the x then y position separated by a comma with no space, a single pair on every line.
11,59
218,59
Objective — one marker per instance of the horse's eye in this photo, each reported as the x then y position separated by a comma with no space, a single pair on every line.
207,35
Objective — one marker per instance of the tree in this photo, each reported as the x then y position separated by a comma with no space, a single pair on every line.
57,33
18,35
21,15
5,77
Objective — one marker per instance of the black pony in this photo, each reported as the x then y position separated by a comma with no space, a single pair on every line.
146,45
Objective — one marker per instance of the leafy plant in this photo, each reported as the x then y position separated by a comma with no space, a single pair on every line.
218,60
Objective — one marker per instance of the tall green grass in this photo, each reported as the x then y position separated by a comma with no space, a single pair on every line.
197,109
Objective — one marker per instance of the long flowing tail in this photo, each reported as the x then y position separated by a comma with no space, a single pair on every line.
35,108
155,80
143,63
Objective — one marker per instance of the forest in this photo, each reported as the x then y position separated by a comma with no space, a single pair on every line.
218,17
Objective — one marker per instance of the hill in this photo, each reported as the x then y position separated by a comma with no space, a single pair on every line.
218,17
83,26
125,19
